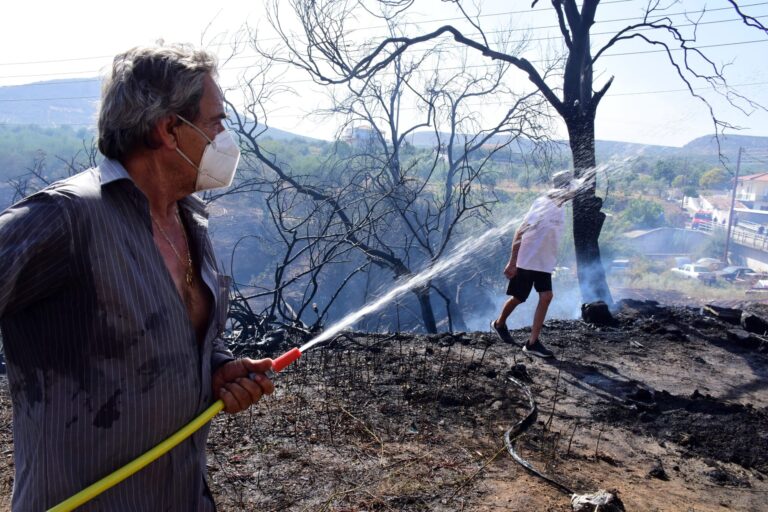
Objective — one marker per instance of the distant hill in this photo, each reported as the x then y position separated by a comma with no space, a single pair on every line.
52,103
75,102
703,149
729,144
610,148
603,147
282,135
69,102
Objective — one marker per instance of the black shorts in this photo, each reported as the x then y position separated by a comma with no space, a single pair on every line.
520,286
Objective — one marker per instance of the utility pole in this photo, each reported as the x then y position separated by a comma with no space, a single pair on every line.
730,214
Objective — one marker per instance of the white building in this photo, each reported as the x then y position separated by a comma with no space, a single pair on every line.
720,206
752,190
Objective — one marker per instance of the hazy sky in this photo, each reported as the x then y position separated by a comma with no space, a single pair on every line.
76,40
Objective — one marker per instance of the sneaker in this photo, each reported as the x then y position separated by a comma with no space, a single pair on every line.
502,332
538,350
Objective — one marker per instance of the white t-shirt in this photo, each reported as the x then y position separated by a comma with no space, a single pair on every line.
538,247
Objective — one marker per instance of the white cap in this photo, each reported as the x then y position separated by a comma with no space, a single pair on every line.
562,179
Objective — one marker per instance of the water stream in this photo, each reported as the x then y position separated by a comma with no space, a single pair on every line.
456,257
449,263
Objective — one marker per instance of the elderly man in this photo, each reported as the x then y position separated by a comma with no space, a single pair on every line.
111,303
534,253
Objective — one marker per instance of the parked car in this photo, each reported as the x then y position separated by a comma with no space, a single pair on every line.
695,271
710,263
735,272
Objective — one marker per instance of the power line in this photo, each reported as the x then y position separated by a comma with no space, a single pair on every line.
553,38
488,15
720,45
51,74
54,61
506,13
665,91
451,68
4,123
51,99
597,22
50,83
633,93
525,29
615,20
682,25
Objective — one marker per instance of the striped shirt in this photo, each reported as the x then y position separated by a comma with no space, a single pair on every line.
103,360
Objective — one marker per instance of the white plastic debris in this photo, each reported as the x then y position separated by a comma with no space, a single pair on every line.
602,501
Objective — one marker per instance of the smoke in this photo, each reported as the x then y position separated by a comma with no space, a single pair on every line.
567,301
568,298
445,265
566,305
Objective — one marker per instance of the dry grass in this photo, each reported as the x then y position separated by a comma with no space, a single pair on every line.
374,431
412,423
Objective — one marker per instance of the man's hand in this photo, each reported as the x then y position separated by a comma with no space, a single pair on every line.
238,391
510,270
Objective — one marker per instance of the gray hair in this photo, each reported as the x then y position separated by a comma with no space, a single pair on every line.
148,83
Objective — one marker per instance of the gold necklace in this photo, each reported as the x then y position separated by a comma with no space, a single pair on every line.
188,275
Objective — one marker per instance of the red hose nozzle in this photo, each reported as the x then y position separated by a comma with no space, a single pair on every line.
285,359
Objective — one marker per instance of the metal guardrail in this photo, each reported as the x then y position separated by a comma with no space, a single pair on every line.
705,226
751,226
743,233
749,238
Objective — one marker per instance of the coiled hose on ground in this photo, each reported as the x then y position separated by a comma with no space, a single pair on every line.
518,429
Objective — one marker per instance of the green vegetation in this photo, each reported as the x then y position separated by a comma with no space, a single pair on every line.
644,182
642,214
636,197
20,144
715,178
46,150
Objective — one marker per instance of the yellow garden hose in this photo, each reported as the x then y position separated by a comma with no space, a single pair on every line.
138,463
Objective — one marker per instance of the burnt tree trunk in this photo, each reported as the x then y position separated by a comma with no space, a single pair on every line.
578,110
422,292
587,217
425,305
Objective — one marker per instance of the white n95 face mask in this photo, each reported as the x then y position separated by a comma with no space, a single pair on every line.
219,162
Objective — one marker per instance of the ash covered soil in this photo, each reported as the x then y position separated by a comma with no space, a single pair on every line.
668,406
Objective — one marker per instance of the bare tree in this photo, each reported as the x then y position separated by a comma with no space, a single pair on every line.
402,207
34,178
308,256
324,51
304,246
